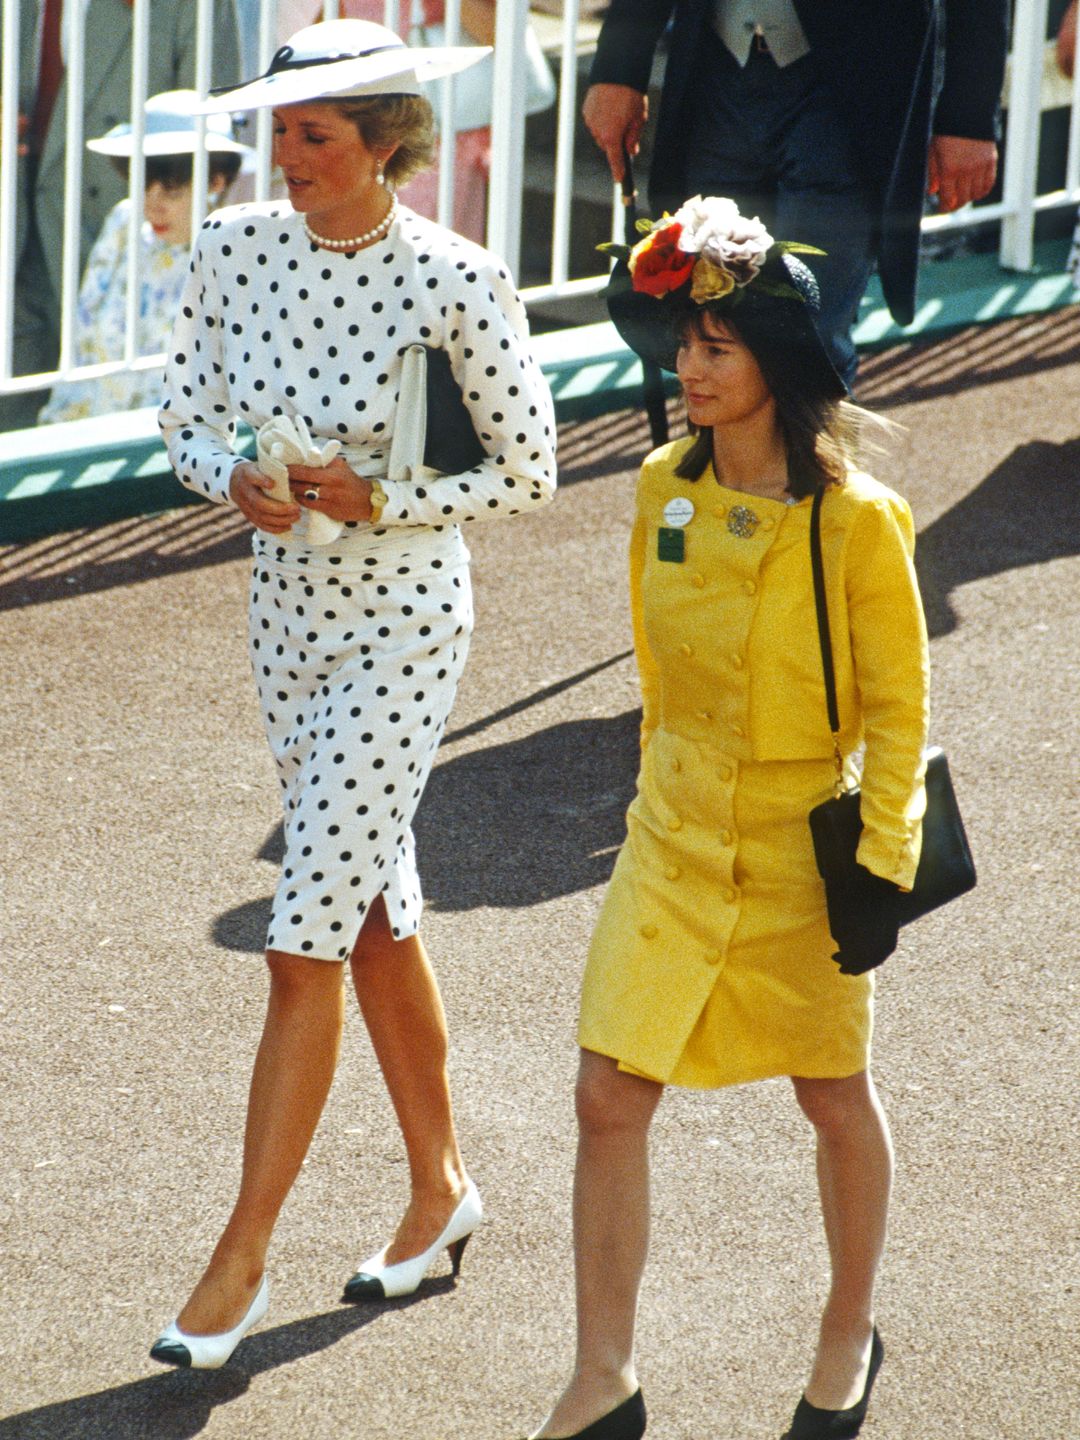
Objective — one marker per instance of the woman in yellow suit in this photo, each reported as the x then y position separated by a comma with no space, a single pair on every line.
712,962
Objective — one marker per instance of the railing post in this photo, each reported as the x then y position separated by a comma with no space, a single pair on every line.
9,175
1022,142
140,71
75,72
507,132
564,145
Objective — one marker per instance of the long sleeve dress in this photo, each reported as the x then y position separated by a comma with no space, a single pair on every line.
711,960
357,646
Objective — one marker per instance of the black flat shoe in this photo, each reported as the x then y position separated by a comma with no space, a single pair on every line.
810,1423
625,1422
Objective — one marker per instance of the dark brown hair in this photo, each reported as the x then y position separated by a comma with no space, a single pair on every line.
818,430
175,171
405,121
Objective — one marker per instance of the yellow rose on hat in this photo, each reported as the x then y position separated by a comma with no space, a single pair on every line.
710,282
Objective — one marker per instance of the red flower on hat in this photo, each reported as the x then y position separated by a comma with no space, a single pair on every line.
657,264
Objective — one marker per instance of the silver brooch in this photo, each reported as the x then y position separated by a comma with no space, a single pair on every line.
742,521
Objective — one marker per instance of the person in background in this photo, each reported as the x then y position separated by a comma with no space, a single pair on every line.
822,120
712,961
165,244
43,42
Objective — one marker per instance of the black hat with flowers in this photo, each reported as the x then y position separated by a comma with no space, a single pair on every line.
708,255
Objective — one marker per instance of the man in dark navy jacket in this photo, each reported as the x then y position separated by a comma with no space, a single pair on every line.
828,118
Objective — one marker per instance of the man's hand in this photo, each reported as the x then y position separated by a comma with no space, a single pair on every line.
960,170
615,116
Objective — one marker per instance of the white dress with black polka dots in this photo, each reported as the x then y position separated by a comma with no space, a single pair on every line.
357,646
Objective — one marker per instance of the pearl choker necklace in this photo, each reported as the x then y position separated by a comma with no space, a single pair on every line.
358,241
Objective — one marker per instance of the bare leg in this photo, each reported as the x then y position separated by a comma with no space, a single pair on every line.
611,1238
293,1070
403,1011
854,1165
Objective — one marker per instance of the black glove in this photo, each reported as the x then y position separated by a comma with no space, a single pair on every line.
862,921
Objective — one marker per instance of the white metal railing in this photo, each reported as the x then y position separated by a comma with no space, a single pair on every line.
1016,211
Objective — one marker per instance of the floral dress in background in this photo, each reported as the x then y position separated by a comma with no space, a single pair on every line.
101,317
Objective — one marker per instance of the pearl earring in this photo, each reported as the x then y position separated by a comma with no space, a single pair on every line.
380,178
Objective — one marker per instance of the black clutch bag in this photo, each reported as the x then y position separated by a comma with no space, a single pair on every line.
451,445
945,869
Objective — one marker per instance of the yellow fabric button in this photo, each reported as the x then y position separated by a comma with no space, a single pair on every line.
749,587
713,957
676,765
672,872
726,837
720,511
686,650
674,823
768,525
726,772
737,661
731,896
649,932
698,581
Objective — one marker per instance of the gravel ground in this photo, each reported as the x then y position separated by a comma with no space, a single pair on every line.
138,848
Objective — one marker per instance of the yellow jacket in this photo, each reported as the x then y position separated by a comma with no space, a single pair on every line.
875,618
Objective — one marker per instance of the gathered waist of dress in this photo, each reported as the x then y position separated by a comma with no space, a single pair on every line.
362,545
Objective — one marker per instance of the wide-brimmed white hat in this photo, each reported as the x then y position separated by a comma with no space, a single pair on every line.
170,130
338,59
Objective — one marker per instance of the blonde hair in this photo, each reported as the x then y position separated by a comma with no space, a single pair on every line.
406,122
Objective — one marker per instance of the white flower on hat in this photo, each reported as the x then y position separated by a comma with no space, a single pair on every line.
713,228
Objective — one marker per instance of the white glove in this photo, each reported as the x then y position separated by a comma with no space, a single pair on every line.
286,440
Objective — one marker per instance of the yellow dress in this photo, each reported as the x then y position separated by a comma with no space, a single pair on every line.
711,960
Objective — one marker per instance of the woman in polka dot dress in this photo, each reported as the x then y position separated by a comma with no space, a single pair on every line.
302,313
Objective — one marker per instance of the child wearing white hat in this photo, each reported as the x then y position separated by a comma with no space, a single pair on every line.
169,143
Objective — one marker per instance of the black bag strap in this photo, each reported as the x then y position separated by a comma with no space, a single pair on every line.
817,569
822,607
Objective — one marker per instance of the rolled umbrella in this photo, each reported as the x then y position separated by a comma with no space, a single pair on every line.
651,374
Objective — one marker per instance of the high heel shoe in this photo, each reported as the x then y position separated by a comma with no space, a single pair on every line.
811,1423
208,1352
375,1280
626,1422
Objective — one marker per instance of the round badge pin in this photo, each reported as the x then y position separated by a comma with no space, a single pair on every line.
678,512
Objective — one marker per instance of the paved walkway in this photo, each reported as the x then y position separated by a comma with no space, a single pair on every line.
138,848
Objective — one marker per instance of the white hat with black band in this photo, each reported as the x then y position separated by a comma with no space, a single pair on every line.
169,129
344,59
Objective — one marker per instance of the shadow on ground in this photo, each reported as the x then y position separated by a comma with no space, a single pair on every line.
507,825
980,355
125,552
1025,512
178,1404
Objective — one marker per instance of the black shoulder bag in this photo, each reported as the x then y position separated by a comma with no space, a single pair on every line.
945,870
